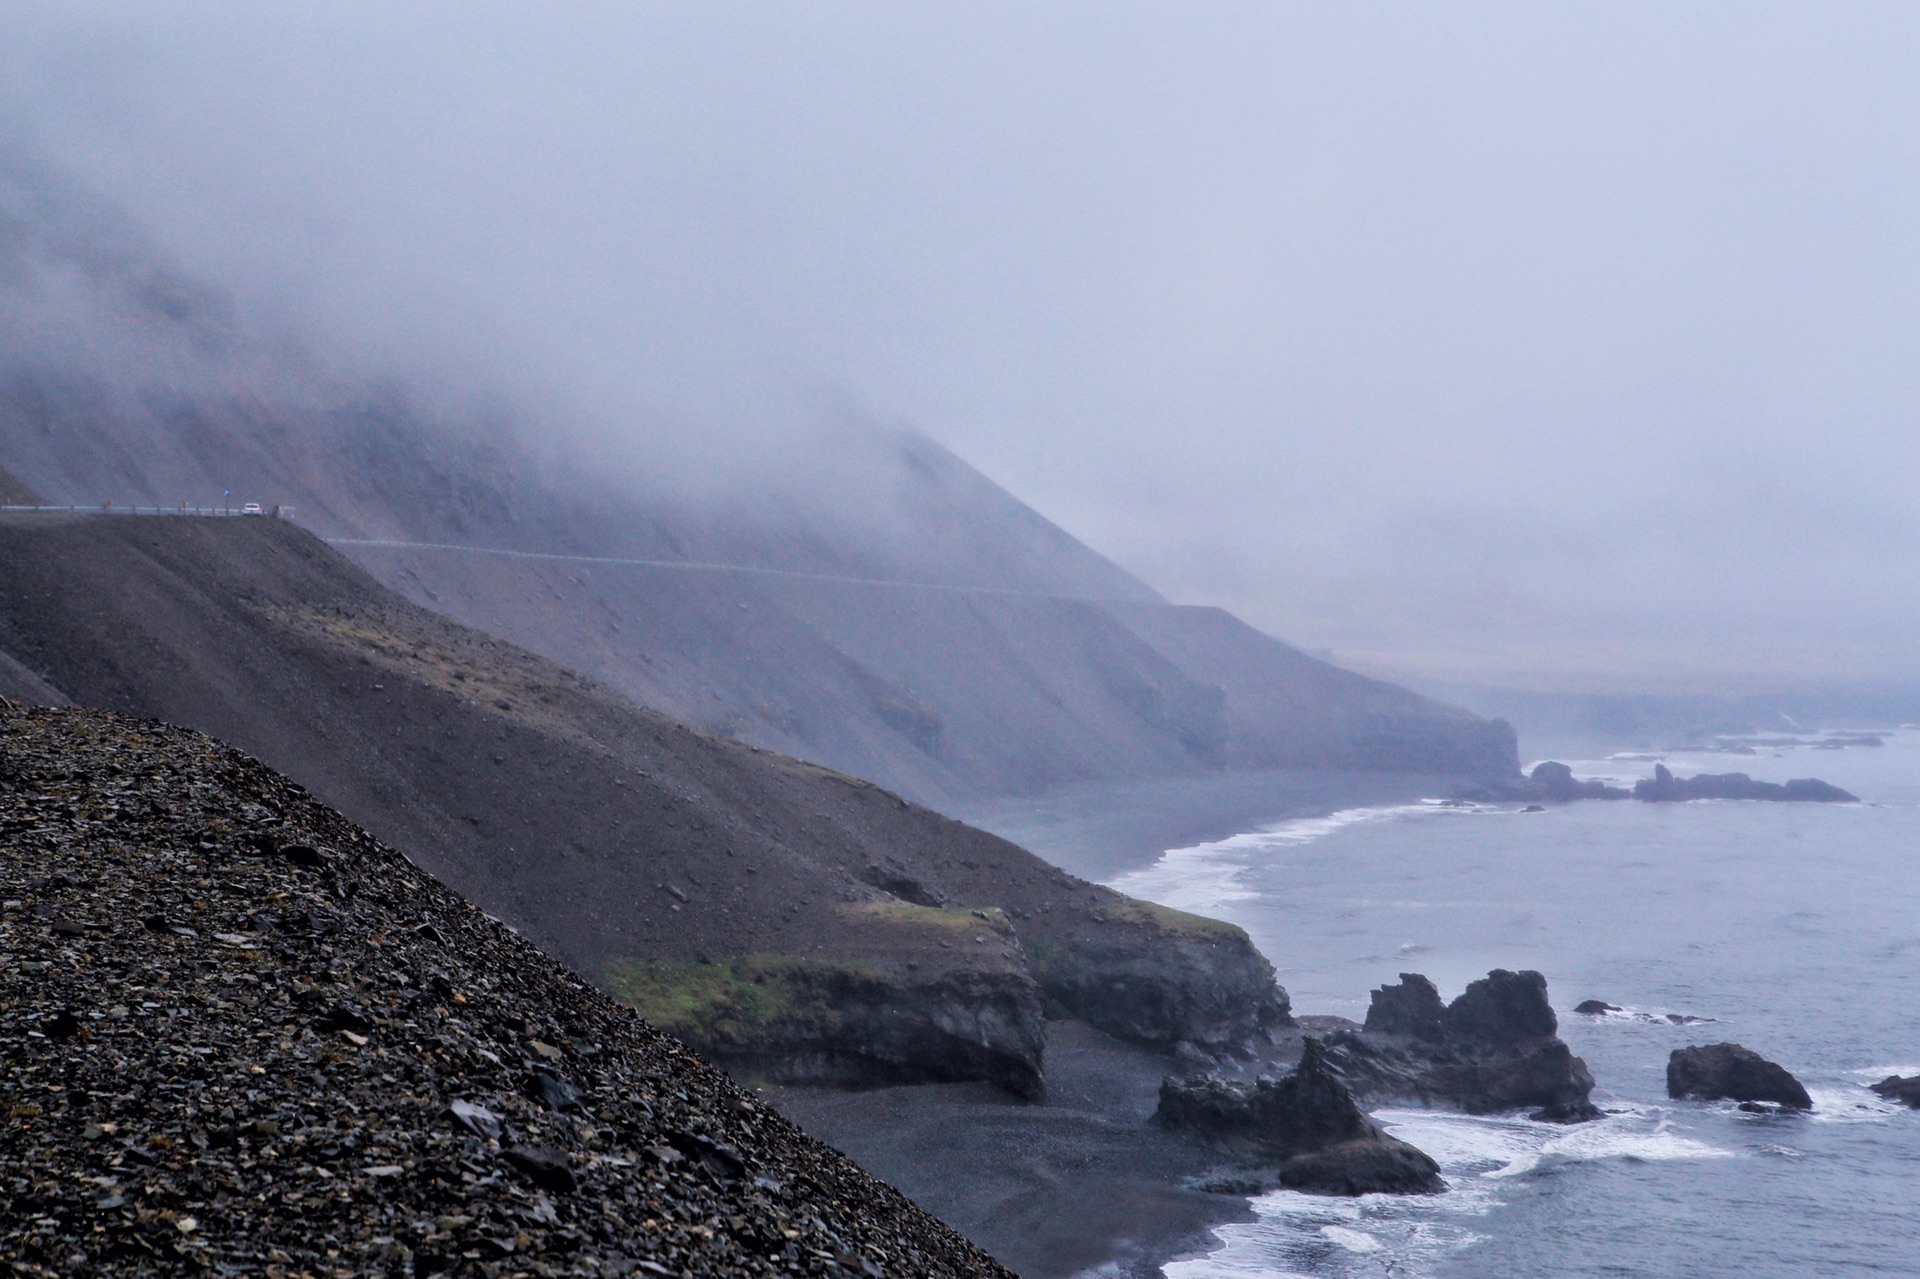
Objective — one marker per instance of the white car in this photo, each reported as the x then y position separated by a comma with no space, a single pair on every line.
252,508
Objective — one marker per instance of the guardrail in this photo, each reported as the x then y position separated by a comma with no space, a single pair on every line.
111,508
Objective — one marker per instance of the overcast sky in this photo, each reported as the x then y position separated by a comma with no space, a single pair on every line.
1557,344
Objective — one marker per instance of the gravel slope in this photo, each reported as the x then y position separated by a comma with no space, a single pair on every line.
241,1036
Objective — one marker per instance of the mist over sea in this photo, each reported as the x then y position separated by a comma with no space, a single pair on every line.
1794,928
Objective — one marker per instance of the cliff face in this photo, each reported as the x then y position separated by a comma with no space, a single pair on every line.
788,919
239,1034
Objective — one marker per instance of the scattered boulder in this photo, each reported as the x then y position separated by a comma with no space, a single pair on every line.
1904,1089
1306,1127
1595,1007
1663,788
1714,1072
1496,1047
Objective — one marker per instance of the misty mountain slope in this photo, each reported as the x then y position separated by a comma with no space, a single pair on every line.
123,378
937,693
1284,709
785,918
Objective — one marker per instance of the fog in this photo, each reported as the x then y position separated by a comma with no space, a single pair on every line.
1562,347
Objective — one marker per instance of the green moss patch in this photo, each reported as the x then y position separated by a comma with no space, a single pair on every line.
1178,922
740,1002
947,919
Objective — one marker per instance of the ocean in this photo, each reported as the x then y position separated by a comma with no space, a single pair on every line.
1791,928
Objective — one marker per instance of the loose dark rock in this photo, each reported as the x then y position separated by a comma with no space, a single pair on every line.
544,1166
208,1086
553,1091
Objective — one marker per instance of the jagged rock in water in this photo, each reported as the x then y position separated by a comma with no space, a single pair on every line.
1714,1072
1496,1047
1904,1089
1411,1007
334,1065
1664,787
1307,1127
1595,1008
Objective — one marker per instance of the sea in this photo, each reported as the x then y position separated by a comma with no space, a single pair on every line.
1791,928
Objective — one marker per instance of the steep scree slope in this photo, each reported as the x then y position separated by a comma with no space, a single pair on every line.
239,1035
784,917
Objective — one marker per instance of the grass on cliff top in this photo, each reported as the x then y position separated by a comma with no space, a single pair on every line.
734,1002
1177,922
954,919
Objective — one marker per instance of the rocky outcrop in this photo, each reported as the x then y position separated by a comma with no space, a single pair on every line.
1307,1129
1496,1047
1154,975
818,1022
230,1055
1714,1072
1904,1089
1549,782
1663,788
1554,782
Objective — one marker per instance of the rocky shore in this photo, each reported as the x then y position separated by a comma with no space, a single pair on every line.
241,1036
1552,782
1305,1131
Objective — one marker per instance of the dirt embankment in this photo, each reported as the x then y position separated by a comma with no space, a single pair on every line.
238,1034
787,918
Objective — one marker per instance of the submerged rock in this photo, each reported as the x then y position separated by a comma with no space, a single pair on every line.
1496,1047
1595,1007
1713,1072
1306,1127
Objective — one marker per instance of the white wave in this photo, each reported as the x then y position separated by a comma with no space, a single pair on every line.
1851,1106
1652,1016
1205,877
1351,1240
1478,1154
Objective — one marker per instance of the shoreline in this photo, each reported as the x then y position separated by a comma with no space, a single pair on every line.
1078,1184
1101,831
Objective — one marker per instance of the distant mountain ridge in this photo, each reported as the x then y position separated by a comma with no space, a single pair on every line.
979,650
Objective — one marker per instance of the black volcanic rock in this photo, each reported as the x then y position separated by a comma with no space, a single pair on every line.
1495,1047
1904,1089
1664,787
1410,1007
1595,1007
1714,1072
1502,1008
1307,1127
1554,782
1549,782
173,1108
